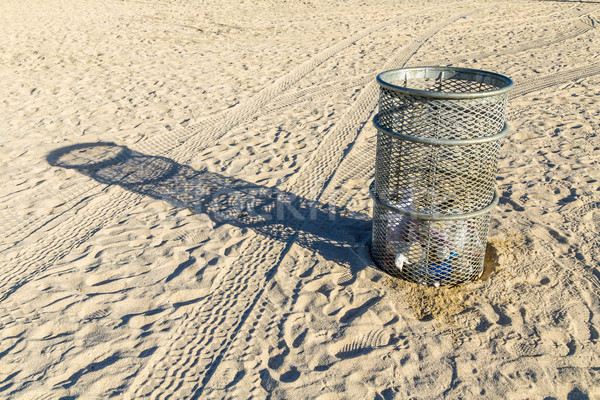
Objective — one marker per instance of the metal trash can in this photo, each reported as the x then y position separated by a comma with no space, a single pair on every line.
439,134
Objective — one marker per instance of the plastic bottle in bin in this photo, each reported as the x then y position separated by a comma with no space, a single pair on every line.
446,248
399,239
458,245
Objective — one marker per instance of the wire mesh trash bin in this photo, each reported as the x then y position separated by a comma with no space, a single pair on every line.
439,135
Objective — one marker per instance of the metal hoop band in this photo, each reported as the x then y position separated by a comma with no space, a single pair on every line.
434,217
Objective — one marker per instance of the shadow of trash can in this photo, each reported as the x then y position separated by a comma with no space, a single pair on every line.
439,135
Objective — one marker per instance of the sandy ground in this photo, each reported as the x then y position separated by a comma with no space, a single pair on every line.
135,133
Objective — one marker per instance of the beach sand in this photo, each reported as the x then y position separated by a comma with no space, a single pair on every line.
136,132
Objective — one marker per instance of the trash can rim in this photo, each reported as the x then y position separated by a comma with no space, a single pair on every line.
441,142
433,217
383,80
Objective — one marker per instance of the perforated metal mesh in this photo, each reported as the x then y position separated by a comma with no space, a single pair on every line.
439,132
434,178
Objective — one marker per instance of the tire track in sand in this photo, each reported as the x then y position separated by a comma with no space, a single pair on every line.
75,225
195,137
204,337
241,351
583,26
313,176
557,78
171,140
180,145
207,133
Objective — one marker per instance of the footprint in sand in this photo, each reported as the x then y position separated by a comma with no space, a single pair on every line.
364,344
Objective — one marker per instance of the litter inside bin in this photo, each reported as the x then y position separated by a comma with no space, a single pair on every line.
436,248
